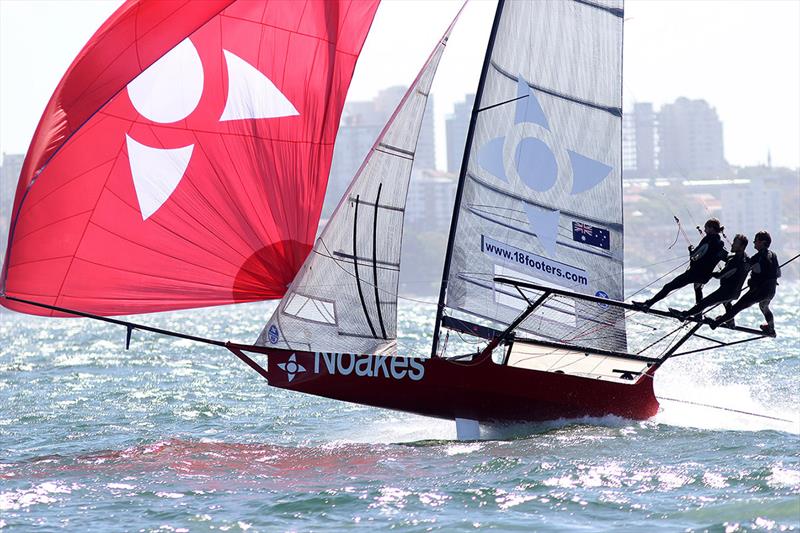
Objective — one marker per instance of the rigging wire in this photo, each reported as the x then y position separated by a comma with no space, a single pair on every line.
681,231
672,333
657,280
691,218
708,212
759,415
789,261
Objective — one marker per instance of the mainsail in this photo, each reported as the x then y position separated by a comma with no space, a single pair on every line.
183,159
344,299
540,196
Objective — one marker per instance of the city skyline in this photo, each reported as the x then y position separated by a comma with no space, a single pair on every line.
667,55
453,115
683,138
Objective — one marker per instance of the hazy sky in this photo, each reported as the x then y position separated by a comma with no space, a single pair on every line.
742,56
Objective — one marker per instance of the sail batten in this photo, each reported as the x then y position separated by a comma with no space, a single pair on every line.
616,111
510,194
362,259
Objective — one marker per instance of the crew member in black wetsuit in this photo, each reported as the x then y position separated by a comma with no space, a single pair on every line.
702,261
731,278
764,273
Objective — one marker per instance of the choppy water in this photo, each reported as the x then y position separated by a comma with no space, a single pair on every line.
174,436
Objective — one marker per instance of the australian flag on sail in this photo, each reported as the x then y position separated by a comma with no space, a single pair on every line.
591,235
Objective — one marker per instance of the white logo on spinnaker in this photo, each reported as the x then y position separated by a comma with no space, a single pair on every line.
155,172
291,367
251,94
169,90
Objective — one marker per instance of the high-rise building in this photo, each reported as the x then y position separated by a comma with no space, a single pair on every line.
361,124
751,207
639,141
645,126
425,158
430,200
457,125
357,133
690,140
9,175
629,145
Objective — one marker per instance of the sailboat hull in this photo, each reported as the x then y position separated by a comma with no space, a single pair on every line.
480,390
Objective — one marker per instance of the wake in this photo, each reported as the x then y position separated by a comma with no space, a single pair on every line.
685,402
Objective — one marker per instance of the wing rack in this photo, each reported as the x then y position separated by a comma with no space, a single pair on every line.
670,340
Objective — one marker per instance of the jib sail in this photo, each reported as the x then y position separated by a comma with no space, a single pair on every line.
344,299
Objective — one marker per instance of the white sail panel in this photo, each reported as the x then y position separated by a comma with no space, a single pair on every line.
542,196
344,299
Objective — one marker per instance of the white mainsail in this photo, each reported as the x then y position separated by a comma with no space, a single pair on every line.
344,298
541,192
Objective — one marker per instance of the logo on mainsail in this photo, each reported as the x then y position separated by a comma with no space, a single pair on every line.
291,367
602,294
274,334
169,91
536,164
591,235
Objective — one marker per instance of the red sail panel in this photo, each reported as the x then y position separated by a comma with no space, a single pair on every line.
183,159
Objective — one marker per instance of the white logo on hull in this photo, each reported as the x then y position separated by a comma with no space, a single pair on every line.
392,367
291,367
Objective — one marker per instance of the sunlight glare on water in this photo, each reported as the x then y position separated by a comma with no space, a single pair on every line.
175,436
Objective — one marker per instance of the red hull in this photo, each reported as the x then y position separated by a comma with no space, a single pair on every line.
480,390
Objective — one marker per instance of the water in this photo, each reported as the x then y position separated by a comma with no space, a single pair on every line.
175,436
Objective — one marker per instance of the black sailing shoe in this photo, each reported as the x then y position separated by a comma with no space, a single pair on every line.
677,313
769,330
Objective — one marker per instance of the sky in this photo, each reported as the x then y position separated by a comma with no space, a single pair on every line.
742,56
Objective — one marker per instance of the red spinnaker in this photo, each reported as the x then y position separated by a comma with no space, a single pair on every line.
183,159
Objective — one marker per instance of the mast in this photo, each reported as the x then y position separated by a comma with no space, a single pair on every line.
462,176
619,159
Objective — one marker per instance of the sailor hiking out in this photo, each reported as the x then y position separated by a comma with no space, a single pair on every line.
702,261
764,273
731,278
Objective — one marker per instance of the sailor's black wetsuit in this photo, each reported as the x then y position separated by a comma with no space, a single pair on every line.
702,261
764,274
731,278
